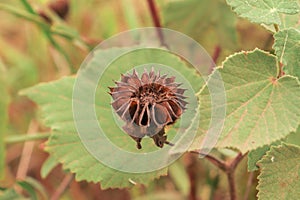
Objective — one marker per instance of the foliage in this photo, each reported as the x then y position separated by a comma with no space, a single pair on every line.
65,144
261,89
279,176
267,12
254,101
287,49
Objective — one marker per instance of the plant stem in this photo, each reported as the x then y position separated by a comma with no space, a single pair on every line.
280,72
156,21
215,56
25,15
218,163
154,13
236,160
228,167
26,153
24,138
249,184
231,181
46,29
62,187
28,6
192,171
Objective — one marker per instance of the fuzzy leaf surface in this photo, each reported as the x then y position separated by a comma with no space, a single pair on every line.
260,108
264,11
279,178
287,49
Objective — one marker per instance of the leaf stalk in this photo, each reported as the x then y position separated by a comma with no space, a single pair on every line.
227,167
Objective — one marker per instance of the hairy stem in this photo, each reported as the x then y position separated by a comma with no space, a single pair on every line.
192,171
231,181
28,6
215,56
24,138
280,71
229,168
26,153
47,32
156,21
62,187
218,163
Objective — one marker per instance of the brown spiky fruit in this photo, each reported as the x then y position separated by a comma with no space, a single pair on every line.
148,104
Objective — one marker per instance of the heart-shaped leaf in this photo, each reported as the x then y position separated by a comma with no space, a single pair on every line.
261,108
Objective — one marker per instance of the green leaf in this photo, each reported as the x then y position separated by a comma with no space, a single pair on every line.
294,138
11,194
193,18
3,123
48,166
287,48
23,14
287,21
260,108
264,11
65,144
180,177
33,188
55,101
29,189
279,178
256,155
290,21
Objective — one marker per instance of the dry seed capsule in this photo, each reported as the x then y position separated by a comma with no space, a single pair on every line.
148,104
